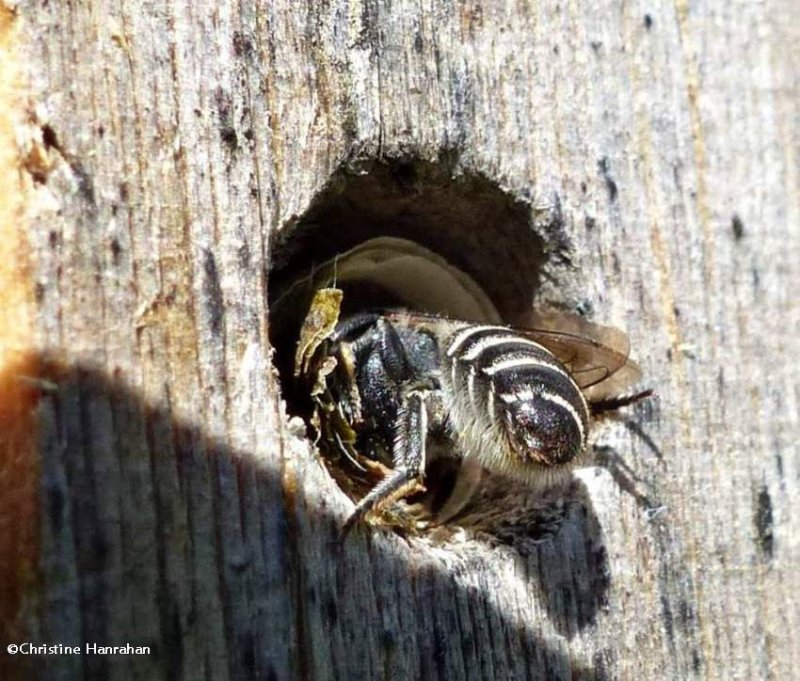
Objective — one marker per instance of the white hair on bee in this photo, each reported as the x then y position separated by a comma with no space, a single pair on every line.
495,341
515,363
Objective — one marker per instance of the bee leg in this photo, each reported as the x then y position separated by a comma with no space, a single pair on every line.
346,449
408,455
613,403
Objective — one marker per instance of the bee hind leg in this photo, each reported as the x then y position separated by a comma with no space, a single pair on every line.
408,456
613,403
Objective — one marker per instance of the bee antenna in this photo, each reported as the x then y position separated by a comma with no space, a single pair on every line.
335,269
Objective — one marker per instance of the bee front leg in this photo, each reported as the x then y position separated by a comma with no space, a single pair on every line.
408,456
354,327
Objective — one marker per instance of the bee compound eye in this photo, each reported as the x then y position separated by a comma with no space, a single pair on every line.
544,431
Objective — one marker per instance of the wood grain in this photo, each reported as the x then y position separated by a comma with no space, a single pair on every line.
181,508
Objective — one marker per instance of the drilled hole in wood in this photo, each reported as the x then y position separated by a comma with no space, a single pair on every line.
464,218
488,241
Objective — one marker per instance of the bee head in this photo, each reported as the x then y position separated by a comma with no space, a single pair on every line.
545,429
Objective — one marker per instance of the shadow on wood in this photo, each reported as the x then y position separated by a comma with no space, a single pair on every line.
155,534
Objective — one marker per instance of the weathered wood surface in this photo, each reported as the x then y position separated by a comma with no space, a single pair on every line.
181,509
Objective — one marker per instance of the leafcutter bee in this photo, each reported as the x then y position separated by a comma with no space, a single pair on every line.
518,401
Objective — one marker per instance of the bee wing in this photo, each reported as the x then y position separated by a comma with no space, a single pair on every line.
596,356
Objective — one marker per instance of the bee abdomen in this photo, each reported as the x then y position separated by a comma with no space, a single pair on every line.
503,383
